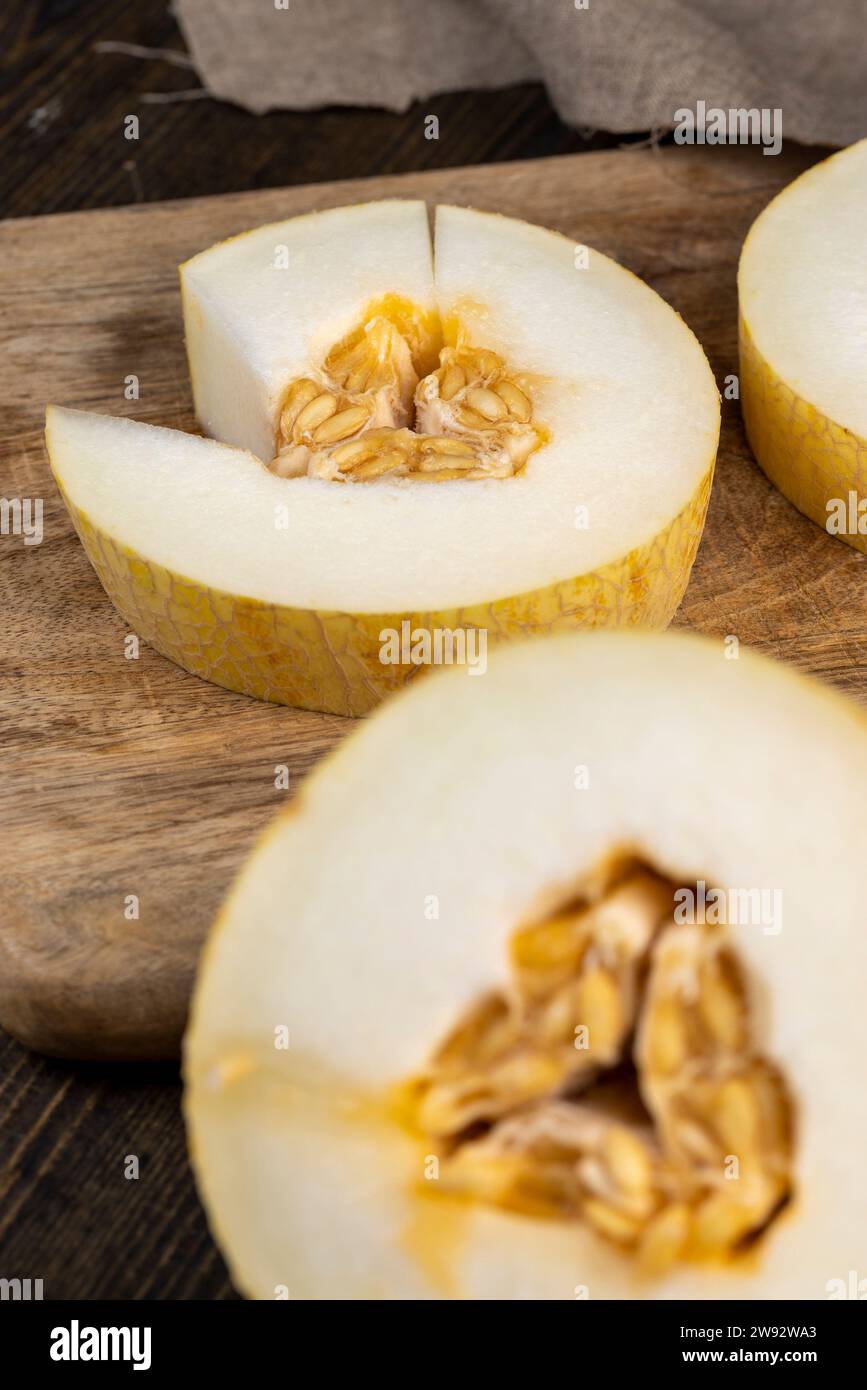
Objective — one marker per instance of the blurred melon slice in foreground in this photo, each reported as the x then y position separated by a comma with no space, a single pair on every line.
547,984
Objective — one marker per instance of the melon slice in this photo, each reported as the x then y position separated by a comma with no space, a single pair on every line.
475,1021
802,288
567,415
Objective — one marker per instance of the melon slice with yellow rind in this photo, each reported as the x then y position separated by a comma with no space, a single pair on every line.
802,287
567,417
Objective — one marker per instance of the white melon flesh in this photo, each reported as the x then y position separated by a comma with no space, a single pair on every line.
599,528
463,794
802,288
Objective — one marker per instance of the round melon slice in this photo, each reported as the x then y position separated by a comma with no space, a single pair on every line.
802,287
550,985
566,415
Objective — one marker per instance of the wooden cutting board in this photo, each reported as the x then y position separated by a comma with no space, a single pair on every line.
130,779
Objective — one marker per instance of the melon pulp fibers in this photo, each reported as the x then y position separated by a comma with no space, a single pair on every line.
322,1044
802,287
288,588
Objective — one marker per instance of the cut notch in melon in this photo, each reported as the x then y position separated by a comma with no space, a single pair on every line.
802,289
384,1094
589,512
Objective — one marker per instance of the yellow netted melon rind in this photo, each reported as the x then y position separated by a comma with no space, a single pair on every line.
811,460
330,661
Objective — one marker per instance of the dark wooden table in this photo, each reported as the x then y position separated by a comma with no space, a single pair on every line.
68,1213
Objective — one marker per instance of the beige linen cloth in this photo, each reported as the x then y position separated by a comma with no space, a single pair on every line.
618,65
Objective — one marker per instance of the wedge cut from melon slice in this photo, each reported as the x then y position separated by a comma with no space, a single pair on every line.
802,287
383,1094
298,588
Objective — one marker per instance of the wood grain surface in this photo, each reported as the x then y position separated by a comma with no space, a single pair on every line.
131,778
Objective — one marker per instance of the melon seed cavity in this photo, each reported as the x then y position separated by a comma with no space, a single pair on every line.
616,1080
374,412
